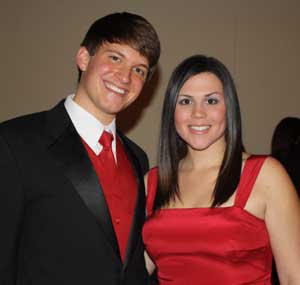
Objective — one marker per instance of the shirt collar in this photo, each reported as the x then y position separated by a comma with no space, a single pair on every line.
89,127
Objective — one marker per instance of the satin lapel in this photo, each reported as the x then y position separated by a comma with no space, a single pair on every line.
68,151
139,212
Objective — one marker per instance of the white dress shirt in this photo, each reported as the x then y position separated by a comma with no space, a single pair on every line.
89,127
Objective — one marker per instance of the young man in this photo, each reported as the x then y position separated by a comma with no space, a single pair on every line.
72,200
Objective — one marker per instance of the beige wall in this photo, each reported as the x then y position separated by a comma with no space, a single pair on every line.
257,39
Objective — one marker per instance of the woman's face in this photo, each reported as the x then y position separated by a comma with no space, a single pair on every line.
200,113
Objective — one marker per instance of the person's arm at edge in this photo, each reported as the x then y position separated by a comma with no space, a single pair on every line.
282,217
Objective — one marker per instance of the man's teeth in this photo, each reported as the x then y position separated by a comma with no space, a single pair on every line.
115,88
199,128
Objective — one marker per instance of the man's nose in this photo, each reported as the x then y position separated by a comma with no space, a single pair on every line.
124,74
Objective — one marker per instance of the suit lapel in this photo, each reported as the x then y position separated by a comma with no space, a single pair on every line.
69,153
139,213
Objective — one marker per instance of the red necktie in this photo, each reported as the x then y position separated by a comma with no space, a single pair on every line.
106,156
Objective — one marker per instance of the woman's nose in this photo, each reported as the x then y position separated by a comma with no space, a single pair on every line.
199,111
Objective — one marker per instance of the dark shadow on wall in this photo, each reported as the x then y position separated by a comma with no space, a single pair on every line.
128,118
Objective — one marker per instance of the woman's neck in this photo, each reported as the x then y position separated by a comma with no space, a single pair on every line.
202,159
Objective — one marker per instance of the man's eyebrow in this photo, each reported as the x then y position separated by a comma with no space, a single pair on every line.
115,51
144,65
122,55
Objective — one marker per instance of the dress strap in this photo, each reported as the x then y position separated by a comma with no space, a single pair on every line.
151,189
250,172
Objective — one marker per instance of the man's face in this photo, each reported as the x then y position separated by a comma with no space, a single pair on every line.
111,79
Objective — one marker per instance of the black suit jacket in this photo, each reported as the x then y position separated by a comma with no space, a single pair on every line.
55,223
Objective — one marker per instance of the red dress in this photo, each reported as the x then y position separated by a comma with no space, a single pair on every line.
219,246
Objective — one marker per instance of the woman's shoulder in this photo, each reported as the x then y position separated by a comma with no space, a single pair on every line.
151,186
273,178
153,170
150,179
252,163
150,175
271,168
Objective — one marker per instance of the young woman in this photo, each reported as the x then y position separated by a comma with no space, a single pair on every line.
216,214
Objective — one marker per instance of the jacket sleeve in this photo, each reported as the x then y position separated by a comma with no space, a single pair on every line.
11,212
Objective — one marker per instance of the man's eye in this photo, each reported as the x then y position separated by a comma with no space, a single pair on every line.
140,71
185,101
212,101
114,58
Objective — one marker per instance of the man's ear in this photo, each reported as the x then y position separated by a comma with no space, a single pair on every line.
82,58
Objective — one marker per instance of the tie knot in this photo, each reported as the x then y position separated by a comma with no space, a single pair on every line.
106,140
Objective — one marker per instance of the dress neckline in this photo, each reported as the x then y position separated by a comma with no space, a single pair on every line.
206,210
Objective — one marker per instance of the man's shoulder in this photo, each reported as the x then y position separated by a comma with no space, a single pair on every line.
27,124
23,132
22,123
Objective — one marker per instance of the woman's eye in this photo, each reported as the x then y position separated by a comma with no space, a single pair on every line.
212,101
185,101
